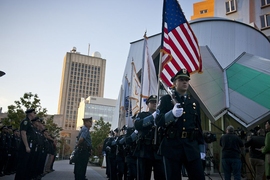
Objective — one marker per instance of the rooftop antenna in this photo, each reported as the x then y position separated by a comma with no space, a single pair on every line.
88,48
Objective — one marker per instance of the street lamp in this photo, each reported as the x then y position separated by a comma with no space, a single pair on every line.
2,73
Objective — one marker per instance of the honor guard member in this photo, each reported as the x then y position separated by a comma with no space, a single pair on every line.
131,159
27,135
148,158
105,153
183,141
83,149
120,154
111,151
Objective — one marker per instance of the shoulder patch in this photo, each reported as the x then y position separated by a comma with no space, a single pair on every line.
25,122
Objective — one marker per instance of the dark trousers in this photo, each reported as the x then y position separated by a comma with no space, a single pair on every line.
145,167
4,160
22,172
41,162
107,166
121,168
232,166
33,162
81,164
131,167
113,168
173,169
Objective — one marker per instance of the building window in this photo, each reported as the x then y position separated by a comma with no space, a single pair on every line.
265,2
230,6
265,21
203,11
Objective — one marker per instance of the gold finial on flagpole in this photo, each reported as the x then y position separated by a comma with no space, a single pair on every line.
145,35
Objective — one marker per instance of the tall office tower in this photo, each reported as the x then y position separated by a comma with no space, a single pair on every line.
82,76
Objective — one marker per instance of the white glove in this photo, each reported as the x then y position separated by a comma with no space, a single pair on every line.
136,132
177,112
154,114
203,156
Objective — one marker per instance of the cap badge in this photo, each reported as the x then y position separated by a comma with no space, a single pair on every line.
184,71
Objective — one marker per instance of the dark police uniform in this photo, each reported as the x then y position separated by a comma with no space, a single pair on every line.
35,151
15,144
82,152
10,152
183,139
120,155
131,159
3,149
24,157
148,158
104,151
111,151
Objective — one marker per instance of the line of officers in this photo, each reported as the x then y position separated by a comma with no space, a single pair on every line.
163,139
9,146
28,152
133,152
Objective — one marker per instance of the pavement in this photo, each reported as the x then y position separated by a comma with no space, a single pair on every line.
64,170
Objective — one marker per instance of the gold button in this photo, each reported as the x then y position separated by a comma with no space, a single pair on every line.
184,120
184,128
184,112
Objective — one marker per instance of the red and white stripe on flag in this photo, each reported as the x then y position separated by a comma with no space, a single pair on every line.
180,48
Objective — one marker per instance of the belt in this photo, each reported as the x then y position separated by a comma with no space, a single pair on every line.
88,148
184,134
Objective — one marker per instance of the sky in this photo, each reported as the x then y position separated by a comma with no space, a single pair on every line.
36,35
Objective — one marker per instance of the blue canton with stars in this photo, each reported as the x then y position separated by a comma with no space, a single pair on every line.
173,15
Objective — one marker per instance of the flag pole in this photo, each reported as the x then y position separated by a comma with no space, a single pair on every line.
130,91
160,51
142,71
160,64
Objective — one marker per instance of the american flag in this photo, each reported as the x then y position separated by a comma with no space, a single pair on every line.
180,48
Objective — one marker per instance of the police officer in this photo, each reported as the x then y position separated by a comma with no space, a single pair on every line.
3,149
183,141
35,149
111,151
131,159
120,154
106,153
10,151
16,144
27,136
83,150
42,140
148,158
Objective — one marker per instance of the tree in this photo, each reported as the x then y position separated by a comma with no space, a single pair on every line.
52,127
16,113
98,135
